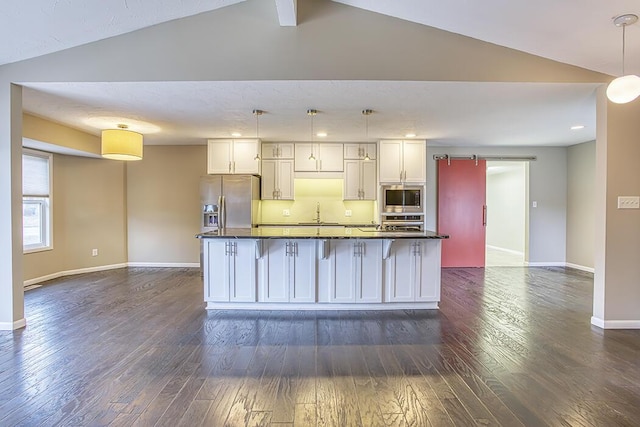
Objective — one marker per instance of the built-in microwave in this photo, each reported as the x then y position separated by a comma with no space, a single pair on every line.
402,198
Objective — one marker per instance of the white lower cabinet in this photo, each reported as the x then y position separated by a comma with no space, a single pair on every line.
288,270
412,271
230,270
355,272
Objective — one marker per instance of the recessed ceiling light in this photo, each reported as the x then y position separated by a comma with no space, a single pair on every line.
321,134
410,135
236,134
577,127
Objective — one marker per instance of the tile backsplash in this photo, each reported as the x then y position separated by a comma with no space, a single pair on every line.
308,193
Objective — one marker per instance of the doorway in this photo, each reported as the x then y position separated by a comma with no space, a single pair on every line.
482,206
507,201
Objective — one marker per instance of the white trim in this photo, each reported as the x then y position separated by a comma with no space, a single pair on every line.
615,324
163,264
547,264
581,267
12,326
108,267
211,305
72,272
511,251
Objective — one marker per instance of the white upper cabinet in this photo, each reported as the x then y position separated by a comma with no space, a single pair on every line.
327,157
233,156
359,151
403,161
277,150
360,180
277,179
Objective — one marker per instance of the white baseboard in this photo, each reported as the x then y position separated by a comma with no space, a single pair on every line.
580,267
72,272
511,251
547,264
615,324
211,305
164,264
12,326
52,276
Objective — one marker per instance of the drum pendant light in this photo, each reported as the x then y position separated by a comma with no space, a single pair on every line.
121,144
626,88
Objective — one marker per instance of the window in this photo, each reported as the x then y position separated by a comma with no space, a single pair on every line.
36,201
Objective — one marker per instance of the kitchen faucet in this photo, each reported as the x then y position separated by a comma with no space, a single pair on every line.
317,218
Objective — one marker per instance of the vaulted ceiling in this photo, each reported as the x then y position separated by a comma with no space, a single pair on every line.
577,33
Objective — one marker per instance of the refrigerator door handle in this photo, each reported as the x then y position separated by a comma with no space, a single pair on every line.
221,212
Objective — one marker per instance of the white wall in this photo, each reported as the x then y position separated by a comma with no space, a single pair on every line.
581,203
547,186
506,204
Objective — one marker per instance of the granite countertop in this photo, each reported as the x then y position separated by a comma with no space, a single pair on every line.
323,232
321,224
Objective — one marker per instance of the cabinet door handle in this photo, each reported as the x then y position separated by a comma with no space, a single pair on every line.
230,248
286,249
417,249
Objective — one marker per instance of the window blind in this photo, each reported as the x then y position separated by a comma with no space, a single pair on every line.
35,176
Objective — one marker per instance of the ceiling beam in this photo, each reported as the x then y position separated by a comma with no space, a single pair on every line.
287,12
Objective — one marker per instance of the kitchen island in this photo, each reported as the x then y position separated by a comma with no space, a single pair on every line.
321,268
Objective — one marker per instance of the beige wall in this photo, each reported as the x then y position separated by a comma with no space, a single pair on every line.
88,213
163,204
47,131
581,195
617,248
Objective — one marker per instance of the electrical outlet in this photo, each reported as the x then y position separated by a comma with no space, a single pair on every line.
534,204
286,212
94,252
347,212
628,202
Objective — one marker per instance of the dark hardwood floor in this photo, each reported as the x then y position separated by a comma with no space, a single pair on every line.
135,347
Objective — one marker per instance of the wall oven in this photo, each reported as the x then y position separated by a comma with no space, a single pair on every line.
402,198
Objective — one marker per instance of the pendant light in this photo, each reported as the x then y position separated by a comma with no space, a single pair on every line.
121,144
257,113
366,113
311,113
626,88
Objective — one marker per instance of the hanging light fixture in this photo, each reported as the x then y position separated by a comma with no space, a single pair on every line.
121,144
626,88
366,113
257,113
311,113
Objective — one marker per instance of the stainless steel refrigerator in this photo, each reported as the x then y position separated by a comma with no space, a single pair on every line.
229,201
